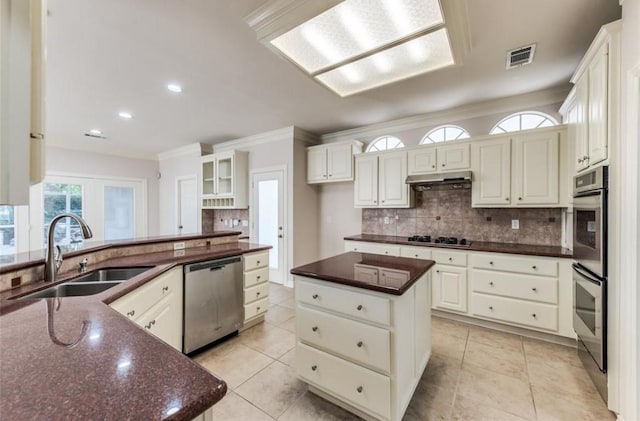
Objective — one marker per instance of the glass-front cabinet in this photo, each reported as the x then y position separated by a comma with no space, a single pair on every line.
225,180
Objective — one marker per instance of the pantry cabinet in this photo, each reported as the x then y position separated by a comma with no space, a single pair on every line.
428,159
519,170
225,180
380,181
332,162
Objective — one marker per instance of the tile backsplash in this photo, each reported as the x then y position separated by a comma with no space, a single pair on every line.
448,213
222,220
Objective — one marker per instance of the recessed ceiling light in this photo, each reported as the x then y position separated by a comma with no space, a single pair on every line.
95,132
126,115
173,87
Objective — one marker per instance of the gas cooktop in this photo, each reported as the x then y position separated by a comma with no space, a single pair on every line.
449,241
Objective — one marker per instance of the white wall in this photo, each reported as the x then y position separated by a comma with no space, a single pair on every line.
629,343
338,218
69,161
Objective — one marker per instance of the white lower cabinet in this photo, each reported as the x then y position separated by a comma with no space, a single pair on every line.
157,306
363,349
256,286
530,292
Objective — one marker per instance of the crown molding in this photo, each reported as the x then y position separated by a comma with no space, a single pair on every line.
190,149
478,109
284,133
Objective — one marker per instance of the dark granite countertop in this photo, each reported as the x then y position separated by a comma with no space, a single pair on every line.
117,370
395,275
526,249
17,261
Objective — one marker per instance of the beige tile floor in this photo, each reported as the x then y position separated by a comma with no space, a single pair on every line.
474,374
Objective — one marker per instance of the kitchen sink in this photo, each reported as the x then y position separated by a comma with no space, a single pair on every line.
110,275
89,284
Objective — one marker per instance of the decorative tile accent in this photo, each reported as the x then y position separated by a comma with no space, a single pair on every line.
214,220
449,213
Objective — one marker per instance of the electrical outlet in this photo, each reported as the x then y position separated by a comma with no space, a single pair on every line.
178,246
178,253
386,220
515,224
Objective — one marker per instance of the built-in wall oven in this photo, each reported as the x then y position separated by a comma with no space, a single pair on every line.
590,272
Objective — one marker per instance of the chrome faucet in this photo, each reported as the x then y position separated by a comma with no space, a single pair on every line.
54,255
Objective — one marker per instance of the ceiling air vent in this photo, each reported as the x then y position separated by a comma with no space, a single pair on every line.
520,56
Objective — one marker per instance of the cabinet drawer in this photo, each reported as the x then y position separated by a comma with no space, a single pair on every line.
256,260
535,288
355,304
256,293
256,277
357,341
134,304
256,308
362,247
542,316
526,265
415,252
449,257
356,385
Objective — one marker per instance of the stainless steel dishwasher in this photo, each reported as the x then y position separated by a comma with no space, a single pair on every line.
213,302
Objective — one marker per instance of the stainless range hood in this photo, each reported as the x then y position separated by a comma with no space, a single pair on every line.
440,181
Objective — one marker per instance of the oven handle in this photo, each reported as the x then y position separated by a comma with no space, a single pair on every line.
586,275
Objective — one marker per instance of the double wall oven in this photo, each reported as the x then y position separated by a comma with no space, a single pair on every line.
590,272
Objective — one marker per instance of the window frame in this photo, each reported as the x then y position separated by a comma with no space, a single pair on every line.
385,138
519,114
426,141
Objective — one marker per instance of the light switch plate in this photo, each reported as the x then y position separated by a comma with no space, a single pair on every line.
515,224
386,220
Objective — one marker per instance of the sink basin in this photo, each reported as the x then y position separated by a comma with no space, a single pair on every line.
109,275
89,284
73,289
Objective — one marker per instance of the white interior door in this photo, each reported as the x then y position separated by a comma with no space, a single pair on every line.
268,219
187,212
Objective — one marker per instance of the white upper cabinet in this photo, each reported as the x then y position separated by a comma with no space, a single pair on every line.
225,180
331,163
520,169
428,159
591,109
21,98
535,169
380,181
492,172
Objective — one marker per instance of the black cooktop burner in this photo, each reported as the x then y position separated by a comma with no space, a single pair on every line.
452,241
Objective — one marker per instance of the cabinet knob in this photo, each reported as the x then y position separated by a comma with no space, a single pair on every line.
383,201
131,313
433,166
451,259
491,308
257,309
355,249
585,158
314,296
491,283
359,344
579,160
534,315
534,289
386,252
534,267
359,307
375,201
314,367
491,263
325,176
519,198
258,277
257,262
165,289
415,255
444,165
506,198
258,294
359,389
315,328
437,271
330,175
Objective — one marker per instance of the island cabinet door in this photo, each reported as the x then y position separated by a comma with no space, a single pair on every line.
164,320
450,288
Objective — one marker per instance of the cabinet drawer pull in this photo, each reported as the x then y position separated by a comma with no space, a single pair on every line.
359,308
519,198
451,259
314,296
534,289
360,344
165,289
491,263
131,313
257,262
151,323
257,309
330,175
359,389
433,166
315,328
444,165
491,283
534,315
314,367
386,252
258,278
416,255
534,267
506,198
355,249
437,270
258,294
491,308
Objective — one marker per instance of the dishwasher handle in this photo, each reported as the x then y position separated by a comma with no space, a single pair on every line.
212,264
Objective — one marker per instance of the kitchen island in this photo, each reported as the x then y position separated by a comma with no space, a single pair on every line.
363,330
76,357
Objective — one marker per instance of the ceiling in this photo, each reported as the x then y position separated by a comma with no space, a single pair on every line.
106,56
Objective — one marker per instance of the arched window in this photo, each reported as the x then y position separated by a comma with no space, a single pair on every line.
523,121
384,143
444,133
